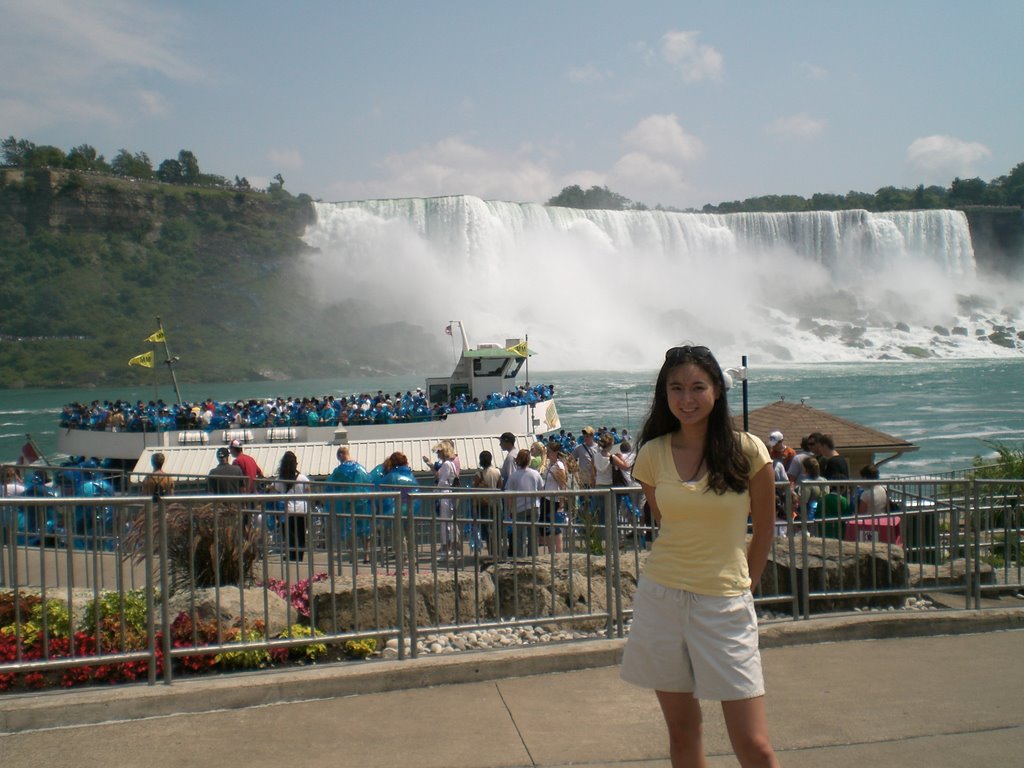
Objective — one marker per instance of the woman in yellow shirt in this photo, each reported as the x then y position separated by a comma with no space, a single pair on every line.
694,632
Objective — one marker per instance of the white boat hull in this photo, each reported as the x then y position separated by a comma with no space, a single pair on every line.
522,421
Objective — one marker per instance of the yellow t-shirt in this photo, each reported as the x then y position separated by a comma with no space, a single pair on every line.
702,544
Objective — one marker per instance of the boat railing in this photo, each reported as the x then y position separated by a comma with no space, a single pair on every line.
425,412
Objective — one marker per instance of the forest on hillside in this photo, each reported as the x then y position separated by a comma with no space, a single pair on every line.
91,259
1006,190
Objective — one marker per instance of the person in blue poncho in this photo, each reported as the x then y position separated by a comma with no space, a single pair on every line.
92,521
353,514
396,474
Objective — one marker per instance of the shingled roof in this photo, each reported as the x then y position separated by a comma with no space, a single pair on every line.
797,420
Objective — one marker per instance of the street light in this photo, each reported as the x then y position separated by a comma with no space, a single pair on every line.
733,375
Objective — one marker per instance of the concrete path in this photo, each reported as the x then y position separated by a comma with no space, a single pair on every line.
936,701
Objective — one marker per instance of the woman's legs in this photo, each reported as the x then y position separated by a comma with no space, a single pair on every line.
747,724
685,728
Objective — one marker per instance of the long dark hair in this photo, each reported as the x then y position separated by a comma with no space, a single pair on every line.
723,453
289,469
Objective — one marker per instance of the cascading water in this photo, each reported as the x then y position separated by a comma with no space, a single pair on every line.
613,289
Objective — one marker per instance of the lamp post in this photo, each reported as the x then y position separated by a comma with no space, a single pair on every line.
740,374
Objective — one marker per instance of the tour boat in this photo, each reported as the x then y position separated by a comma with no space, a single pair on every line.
482,396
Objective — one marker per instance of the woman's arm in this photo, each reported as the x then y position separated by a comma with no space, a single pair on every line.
762,514
649,495
558,472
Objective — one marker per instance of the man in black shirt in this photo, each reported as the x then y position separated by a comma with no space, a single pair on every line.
833,466
225,477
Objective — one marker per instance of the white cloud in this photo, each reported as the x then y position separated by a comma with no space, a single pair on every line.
646,179
813,71
153,103
87,50
652,170
585,74
583,178
941,157
285,159
800,126
453,166
99,36
662,136
657,149
694,61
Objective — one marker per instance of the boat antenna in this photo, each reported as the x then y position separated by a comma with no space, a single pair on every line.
170,360
530,410
526,338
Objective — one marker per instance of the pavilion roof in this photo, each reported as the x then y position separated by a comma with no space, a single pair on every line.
797,420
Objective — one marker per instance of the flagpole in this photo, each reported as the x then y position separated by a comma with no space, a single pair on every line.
170,360
527,335
529,426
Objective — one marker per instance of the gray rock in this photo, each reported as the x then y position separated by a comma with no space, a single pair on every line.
226,607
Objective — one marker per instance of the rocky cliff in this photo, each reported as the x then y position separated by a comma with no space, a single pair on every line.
91,259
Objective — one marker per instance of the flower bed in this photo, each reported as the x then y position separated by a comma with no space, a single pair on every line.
113,624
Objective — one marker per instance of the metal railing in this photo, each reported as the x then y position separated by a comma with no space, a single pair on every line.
166,585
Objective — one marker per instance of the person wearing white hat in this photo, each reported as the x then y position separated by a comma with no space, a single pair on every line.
247,464
778,449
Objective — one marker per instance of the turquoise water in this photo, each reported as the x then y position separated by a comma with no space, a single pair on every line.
948,408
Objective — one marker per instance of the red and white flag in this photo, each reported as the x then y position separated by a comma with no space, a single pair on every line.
29,454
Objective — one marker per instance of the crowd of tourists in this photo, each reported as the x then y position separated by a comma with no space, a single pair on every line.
805,471
327,410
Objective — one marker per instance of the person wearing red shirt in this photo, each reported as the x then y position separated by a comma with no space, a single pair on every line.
247,464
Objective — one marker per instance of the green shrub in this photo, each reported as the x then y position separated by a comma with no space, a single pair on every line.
310,652
360,649
245,658
110,608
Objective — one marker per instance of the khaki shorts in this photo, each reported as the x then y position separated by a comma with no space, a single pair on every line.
688,643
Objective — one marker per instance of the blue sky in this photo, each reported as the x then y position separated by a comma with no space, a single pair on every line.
679,103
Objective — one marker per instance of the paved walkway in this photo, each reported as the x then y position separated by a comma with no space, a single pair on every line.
935,700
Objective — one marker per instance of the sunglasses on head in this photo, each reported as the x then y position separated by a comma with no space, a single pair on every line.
678,353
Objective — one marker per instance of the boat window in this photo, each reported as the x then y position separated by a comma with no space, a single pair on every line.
460,389
438,393
514,370
488,366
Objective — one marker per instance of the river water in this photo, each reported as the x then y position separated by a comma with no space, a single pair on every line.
949,408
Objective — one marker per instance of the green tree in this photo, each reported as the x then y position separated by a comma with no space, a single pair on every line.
594,198
136,166
16,152
1013,186
84,157
569,197
1009,189
46,156
967,192
928,198
821,201
893,199
276,187
189,167
170,172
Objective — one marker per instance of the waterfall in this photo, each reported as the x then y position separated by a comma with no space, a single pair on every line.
613,289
